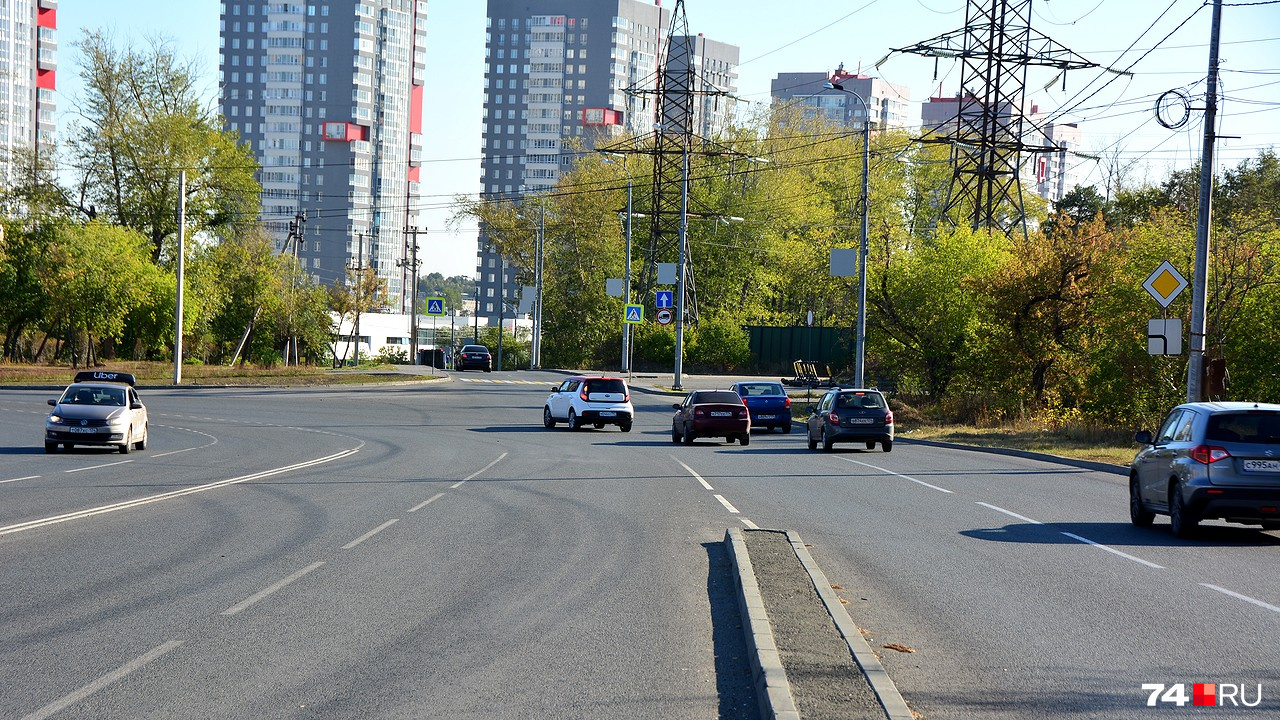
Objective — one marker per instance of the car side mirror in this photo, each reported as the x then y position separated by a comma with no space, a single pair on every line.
52,401
675,406
136,406
555,388
1142,436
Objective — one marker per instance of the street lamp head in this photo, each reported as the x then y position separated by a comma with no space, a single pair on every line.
832,86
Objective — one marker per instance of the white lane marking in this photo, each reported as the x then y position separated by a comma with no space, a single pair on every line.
261,594
1245,598
102,682
1124,555
472,475
426,502
1011,514
726,504
173,452
890,472
29,477
95,467
749,524
370,534
705,484
194,432
31,524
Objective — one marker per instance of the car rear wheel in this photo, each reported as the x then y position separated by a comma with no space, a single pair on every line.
813,443
1181,520
786,429
573,420
745,439
871,444
598,426
51,447
826,442
687,437
887,445
547,420
625,427
142,444
1139,515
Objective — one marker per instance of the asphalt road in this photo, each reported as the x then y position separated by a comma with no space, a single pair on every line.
432,551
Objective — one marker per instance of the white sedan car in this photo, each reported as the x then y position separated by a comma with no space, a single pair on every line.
98,408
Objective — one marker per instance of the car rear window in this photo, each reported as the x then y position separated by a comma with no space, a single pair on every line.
717,396
475,349
1244,427
607,386
860,400
760,389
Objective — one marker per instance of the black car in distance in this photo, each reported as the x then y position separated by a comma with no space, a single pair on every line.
474,357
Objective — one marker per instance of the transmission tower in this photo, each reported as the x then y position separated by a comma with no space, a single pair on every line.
996,46
672,142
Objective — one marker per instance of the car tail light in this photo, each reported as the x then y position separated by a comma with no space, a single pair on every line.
742,413
699,412
583,394
1209,454
888,417
787,400
834,419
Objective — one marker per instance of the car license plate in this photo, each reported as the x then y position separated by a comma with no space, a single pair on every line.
861,421
721,413
766,417
82,430
1262,465
607,413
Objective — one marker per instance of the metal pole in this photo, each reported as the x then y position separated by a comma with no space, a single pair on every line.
413,298
537,310
684,253
861,335
359,298
1200,279
626,326
502,272
182,253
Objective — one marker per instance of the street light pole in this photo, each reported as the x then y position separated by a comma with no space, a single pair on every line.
860,338
681,268
626,281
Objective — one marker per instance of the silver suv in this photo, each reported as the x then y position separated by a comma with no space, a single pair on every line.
596,401
1209,460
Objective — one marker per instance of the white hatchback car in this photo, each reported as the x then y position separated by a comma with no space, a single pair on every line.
596,401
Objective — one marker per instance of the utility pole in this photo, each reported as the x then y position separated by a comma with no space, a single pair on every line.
182,252
1200,278
359,268
412,230
626,282
682,269
296,235
536,343
502,279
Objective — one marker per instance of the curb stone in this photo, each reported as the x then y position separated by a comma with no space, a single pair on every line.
769,677
1025,454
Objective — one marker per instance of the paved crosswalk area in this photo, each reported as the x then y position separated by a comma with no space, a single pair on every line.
502,382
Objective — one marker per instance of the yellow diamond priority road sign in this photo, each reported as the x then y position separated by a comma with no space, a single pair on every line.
1165,284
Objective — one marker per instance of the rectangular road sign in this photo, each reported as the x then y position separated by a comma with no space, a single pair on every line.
1164,336
435,306
635,314
665,299
844,262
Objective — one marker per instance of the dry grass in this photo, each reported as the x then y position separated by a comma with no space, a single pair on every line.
153,373
1098,445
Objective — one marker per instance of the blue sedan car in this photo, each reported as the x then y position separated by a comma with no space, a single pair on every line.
768,403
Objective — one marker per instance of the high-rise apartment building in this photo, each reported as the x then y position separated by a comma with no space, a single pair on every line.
328,93
28,73
886,102
560,69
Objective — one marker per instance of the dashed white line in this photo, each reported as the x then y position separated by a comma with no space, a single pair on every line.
262,594
102,682
1011,514
749,524
29,477
705,484
1125,555
95,467
172,452
474,474
890,472
728,506
426,502
1245,598
370,534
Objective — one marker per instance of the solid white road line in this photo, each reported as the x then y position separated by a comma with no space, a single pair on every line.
426,502
31,524
726,504
890,472
705,484
1011,514
29,477
172,452
95,467
261,594
749,524
474,474
1245,598
370,534
102,682
1100,546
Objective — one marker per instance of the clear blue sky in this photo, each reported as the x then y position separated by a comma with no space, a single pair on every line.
811,35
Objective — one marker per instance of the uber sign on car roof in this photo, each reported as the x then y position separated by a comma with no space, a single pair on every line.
100,376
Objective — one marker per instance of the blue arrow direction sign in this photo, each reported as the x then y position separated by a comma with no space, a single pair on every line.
435,306
635,314
665,299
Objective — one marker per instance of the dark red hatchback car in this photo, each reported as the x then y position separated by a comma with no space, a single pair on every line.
711,413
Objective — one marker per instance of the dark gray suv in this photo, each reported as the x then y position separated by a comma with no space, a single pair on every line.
851,415
1209,460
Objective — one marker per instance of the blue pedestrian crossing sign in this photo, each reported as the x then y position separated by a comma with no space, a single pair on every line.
665,300
635,314
435,306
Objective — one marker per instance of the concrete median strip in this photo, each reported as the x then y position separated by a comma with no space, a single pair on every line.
802,665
